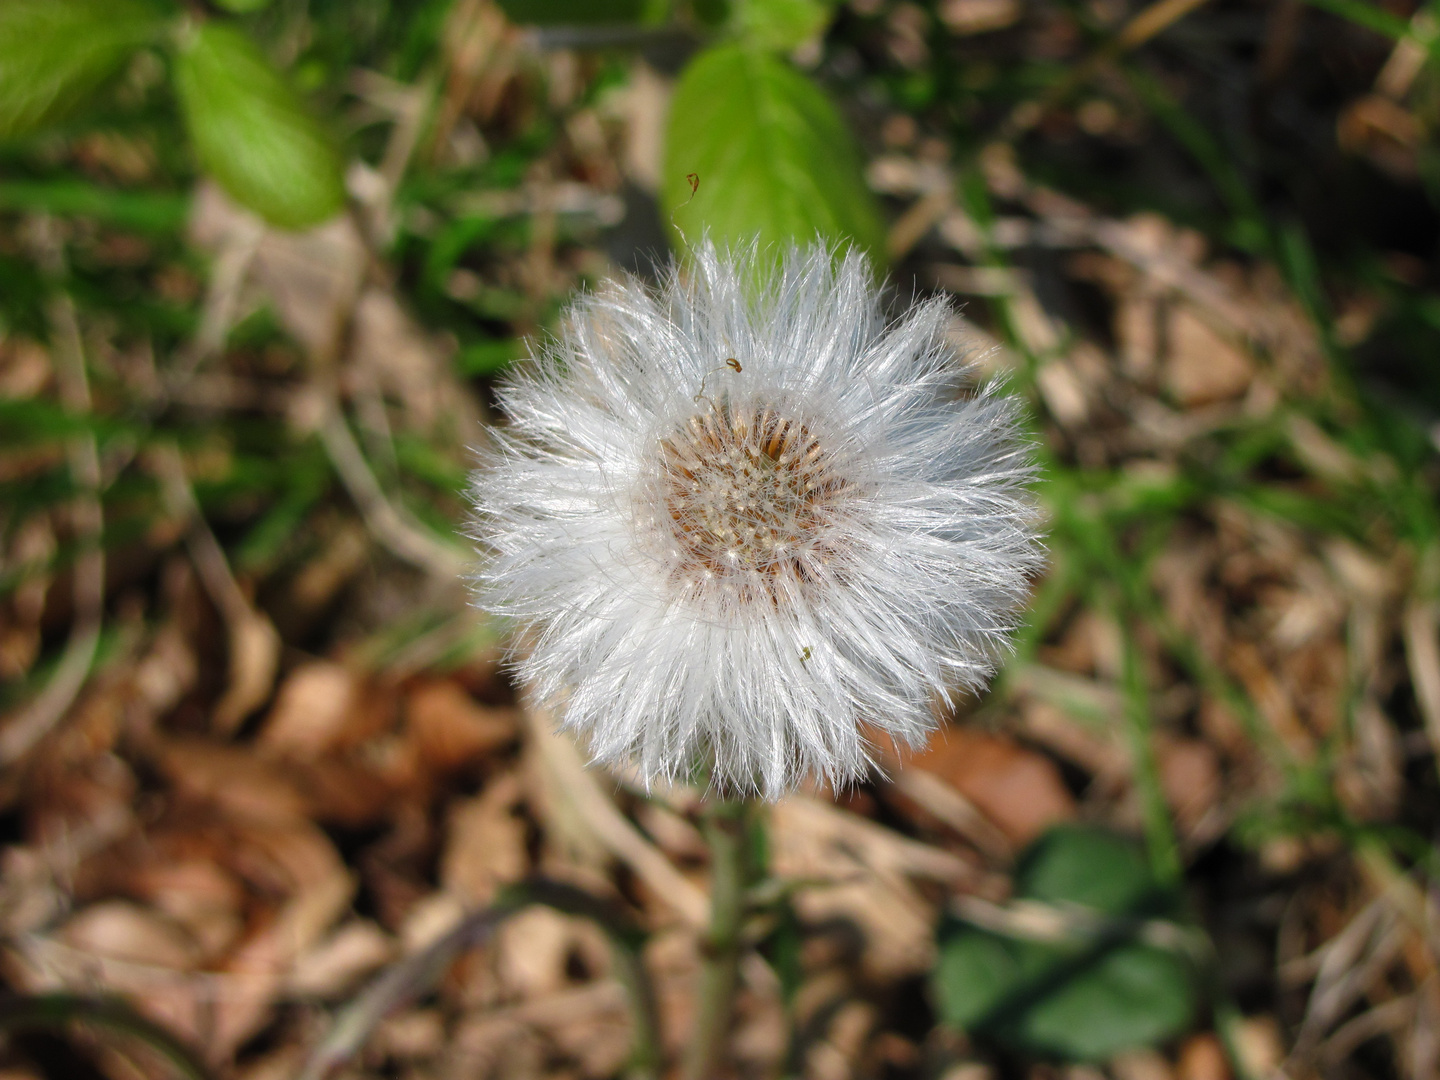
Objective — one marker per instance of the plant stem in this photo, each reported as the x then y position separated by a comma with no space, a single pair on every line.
646,1055
1164,848
724,827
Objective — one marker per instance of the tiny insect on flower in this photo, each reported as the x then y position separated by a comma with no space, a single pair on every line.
747,521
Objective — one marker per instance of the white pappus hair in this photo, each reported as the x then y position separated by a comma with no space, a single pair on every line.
746,520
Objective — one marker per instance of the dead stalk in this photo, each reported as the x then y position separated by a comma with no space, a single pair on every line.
392,525
254,642
1422,651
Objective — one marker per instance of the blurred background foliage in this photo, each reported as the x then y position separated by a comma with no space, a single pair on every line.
261,262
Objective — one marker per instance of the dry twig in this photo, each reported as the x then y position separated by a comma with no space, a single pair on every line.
254,642
1422,651
392,525
945,803
573,781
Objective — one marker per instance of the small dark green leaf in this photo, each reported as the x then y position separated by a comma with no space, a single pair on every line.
975,971
773,158
1093,867
252,133
1084,999
29,422
583,12
54,54
1132,995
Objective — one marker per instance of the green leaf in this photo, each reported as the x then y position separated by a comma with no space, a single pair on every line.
583,12
781,24
974,972
1092,867
773,158
55,54
252,133
1084,999
1131,996
243,7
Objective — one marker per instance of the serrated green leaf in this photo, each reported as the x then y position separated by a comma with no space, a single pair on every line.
773,158
252,133
54,54
781,24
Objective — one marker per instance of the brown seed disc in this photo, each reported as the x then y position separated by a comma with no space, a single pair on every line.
750,496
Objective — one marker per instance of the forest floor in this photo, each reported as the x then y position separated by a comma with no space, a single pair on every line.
260,751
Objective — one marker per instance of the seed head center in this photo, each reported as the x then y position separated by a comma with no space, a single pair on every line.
749,491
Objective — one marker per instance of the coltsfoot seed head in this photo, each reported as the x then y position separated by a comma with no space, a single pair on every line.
751,496
745,520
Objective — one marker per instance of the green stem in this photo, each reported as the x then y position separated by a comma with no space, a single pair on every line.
645,1054
724,826
1160,838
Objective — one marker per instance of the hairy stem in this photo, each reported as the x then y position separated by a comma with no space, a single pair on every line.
724,826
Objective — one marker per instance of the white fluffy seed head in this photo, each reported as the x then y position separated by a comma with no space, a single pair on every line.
749,522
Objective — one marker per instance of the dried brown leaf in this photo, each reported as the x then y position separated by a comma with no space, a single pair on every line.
450,729
120,930
485,844
336,965
1020,790
254,659
200,895
1191,780
868,871
312,710
235,779
1201,365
